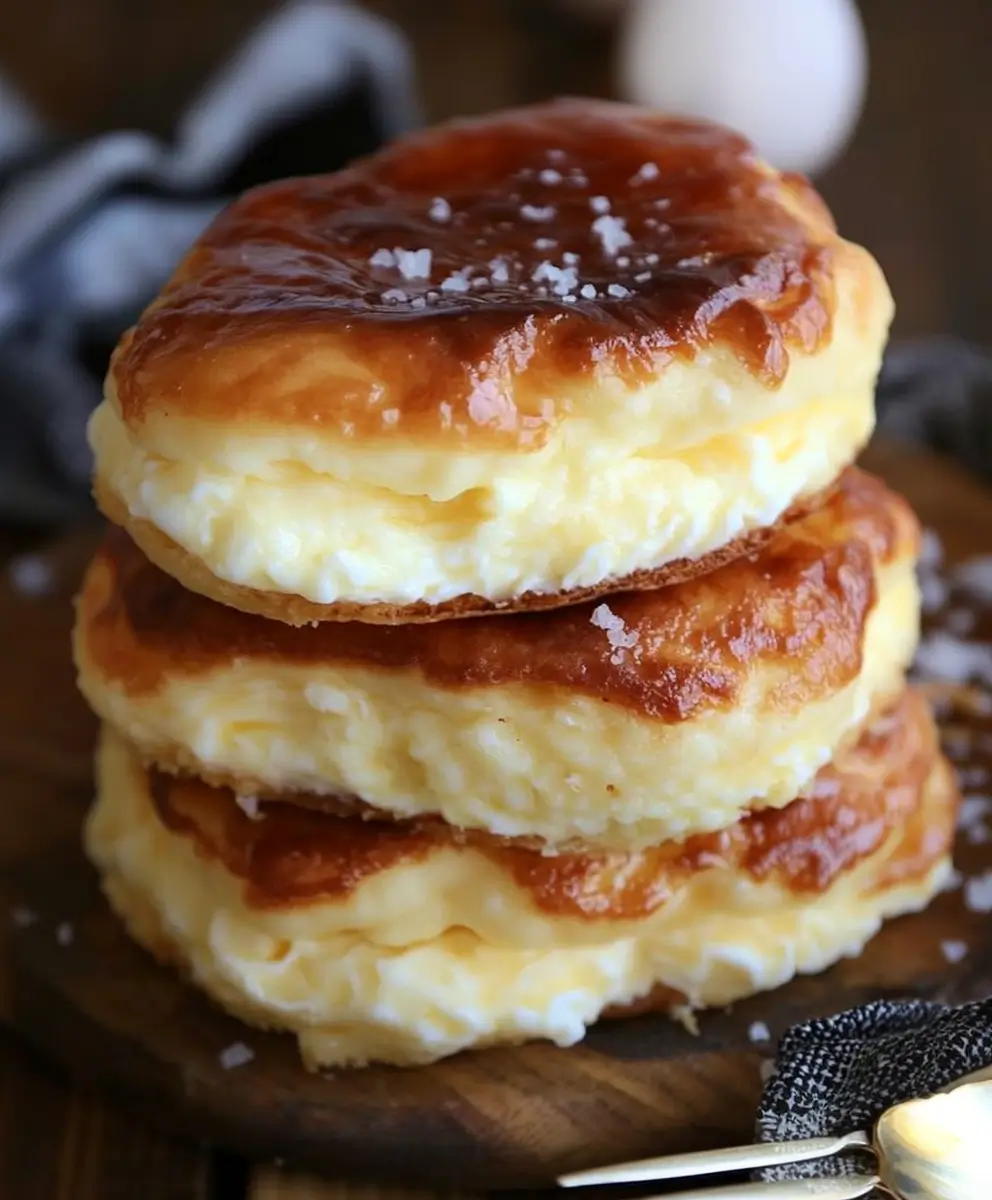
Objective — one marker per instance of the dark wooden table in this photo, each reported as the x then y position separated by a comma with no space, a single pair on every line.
915,186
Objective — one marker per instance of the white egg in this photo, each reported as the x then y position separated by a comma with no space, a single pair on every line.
790,74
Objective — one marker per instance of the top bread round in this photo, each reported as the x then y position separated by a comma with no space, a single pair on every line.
504,363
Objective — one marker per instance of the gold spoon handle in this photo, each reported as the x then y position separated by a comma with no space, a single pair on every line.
713,1162
849,1187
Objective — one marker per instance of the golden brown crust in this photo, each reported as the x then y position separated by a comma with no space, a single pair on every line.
196,576
592,238
293,854
686,648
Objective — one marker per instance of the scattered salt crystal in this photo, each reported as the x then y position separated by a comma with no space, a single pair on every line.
562,279
975,576
599,204
612,232
643,277
588,291
394,295
440,210
538,212
978,893
235,1055
931,550
972,816
413,264
623,261
383,258
960,621
556,155
618,291
617,634
64,933
943,656
480,282
758,1031
570,259
544,243
954,951
500,270
645,172
550,176
454,283
21,917
250,807
390,416
31,575
651,259
418,302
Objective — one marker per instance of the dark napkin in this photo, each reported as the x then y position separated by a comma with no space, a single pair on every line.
89,232
839,1074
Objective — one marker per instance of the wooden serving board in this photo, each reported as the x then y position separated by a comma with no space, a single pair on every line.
74,985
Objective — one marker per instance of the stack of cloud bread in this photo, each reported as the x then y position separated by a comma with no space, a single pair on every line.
495,635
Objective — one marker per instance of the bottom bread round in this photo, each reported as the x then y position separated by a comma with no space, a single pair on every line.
404,942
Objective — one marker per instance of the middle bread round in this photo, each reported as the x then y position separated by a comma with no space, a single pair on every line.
653,717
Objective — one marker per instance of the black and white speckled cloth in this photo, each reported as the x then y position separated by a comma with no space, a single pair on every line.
839,1074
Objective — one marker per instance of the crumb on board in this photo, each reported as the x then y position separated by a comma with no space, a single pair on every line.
978,893
64,933
953,950
31,575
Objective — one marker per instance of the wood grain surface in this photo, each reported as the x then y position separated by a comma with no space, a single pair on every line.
75,986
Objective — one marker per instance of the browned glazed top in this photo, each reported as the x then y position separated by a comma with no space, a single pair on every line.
295,854
564,239
805,597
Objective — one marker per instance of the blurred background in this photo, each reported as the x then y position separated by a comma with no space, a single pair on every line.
885,102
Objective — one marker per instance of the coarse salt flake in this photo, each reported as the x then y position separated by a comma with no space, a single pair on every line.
758,1031
31,575
978,893
382,258
612,233
440,210
549,176
543,243
599,204
953,950
562,279
620,638
394,295
235,1055
538,212
588,291
618,291
455,283
500,270
645,172
413,264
